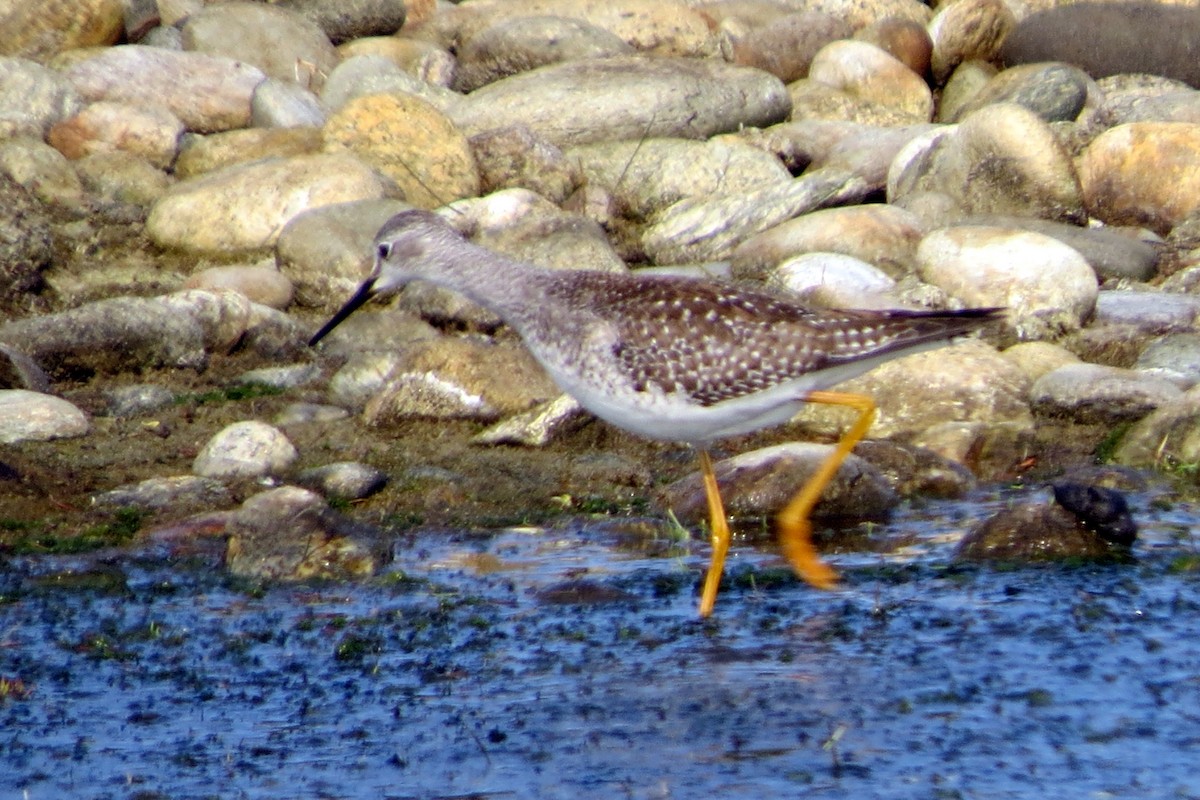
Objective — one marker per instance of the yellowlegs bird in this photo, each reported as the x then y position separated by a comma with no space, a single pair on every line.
673,358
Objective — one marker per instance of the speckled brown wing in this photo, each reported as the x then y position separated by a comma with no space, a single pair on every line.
713,343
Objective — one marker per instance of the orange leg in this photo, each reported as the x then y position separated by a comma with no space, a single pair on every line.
720,535
795,529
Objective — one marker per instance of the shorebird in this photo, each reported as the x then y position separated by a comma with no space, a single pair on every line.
673,358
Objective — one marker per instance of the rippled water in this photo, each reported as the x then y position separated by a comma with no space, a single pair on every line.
570,663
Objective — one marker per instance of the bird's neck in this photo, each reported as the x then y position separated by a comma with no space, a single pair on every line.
506,286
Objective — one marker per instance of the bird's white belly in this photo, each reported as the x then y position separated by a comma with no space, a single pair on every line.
673,417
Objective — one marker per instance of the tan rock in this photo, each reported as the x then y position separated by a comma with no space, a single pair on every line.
40,29
151,132
411,142
201,154
1143,173
866,72
209,93
245,206
967,29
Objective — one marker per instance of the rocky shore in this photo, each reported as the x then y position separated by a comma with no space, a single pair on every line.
187,190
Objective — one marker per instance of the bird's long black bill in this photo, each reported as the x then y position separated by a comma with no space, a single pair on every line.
365,292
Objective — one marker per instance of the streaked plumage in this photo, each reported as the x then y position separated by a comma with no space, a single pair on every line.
665,357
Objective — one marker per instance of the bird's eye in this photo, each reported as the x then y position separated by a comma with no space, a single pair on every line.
383,250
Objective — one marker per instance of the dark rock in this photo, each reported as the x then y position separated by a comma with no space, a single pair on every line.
1035,532
1112,38
343,20
1100,509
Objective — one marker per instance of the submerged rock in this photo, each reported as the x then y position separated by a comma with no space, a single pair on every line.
1085,522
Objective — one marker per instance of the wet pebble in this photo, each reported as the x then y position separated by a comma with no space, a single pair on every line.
992,451
245,449
32,416
760,483
917,471
290,534
345,480
1101,509
1034,532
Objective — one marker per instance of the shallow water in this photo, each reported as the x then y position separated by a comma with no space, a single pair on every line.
570,663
